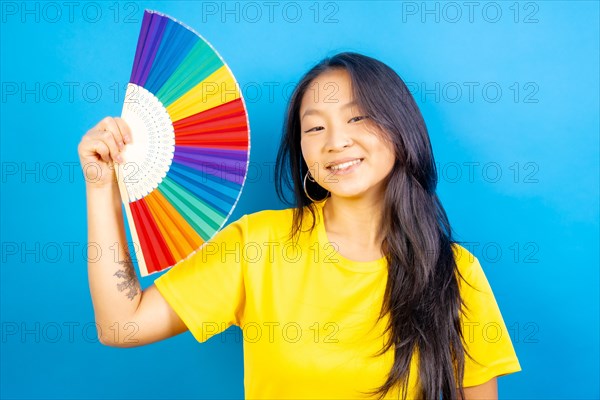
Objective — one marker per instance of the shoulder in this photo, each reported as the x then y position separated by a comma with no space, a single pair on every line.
263,225
473,283
469,268
270,215
465,260
266,223
487,340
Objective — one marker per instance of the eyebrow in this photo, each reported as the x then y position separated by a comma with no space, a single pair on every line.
310,111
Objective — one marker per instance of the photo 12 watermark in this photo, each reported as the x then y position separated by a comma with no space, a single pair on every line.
253,12
65,332
514,172
454,12
54,12
493,332
492,252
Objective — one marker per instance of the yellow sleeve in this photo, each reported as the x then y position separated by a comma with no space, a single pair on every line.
485,335
207,289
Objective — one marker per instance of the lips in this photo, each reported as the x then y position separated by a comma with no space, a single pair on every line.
341,161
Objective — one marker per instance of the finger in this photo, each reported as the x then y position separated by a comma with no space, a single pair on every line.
109,124
108,138
101,148
124,129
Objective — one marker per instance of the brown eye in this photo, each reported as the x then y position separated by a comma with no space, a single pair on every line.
359,118
316,128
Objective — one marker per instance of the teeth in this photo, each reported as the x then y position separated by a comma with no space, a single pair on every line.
344,165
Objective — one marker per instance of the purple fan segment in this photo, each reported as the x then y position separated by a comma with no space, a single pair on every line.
153,27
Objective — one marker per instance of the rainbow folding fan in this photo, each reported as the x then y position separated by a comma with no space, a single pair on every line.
184,170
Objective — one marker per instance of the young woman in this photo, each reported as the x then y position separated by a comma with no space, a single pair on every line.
358,291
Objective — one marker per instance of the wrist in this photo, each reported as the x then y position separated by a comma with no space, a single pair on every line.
108,191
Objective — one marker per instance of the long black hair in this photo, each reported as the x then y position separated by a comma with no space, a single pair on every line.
422,292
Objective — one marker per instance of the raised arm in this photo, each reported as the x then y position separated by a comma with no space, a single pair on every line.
125,315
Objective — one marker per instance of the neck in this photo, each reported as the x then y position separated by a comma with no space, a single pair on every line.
358,219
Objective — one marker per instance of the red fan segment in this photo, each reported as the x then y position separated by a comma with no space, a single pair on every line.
153,246
225,126
231,140
231,108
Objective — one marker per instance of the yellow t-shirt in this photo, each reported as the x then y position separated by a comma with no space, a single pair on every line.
307,314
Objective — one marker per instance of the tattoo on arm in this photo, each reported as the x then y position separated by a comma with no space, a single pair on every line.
130,283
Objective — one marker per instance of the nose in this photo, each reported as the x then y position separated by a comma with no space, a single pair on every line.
337,139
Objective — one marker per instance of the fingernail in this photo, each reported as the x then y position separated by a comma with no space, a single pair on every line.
126,138
121,145
120,159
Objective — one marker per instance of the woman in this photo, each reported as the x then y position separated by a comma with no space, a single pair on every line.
359,291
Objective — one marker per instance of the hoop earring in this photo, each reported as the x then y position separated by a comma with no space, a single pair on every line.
306,192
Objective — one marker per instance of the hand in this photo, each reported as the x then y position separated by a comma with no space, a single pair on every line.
99,148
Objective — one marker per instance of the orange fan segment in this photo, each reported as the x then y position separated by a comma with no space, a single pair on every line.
178,234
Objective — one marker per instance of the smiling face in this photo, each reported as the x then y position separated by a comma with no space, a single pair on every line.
344,150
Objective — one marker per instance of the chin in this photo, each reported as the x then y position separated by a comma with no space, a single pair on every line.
354,192
349,194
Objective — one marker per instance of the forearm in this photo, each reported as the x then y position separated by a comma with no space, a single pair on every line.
114,285
485,391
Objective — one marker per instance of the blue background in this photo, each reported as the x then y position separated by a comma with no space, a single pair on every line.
541,212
